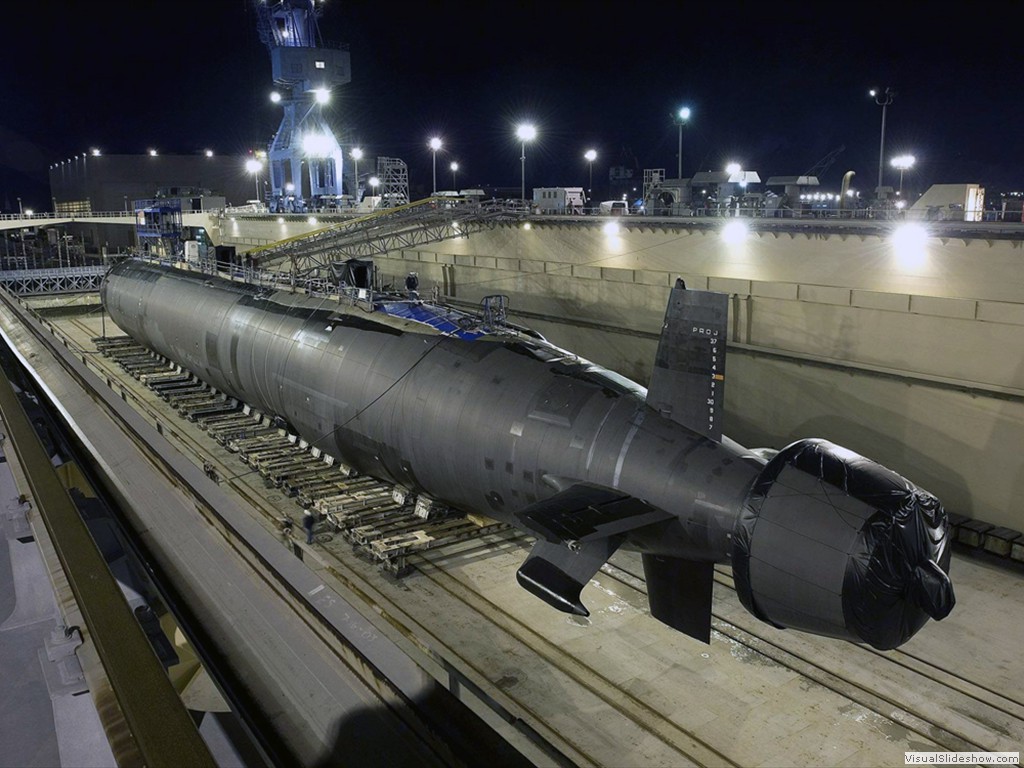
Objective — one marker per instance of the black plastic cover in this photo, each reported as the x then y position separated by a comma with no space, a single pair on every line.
680,592
884,541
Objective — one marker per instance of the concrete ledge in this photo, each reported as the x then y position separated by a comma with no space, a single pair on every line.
557,268
509,265
893,302
943,307
773,290
1001,312
526,265
586,272
727,285
648,277
464,261
616,275
445,258
486,262
824,294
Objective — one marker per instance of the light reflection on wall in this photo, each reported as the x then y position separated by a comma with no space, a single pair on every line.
612,241
735,233
910,246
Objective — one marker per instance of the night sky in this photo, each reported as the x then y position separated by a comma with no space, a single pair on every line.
774,86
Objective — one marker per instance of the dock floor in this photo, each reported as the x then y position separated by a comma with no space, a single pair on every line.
621,689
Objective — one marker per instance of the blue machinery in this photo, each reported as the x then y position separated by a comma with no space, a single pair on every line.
158,225
306,69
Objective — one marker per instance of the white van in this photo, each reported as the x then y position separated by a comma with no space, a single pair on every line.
614,208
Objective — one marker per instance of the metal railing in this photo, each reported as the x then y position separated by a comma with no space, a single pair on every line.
45,215
886,213
430,220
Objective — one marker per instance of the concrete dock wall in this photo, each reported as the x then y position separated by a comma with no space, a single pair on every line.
914,358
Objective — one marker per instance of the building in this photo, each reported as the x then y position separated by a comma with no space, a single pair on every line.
106,183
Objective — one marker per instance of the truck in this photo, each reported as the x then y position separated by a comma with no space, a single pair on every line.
614,208
559,200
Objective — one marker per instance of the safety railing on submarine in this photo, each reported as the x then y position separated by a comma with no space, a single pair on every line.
425,221
326,287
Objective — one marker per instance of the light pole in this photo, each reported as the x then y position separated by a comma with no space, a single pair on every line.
903,163
356,153
454,166
525,132
682,117
21,211
590,156
883,99
435,144
254,166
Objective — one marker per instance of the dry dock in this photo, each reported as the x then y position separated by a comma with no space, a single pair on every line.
621,689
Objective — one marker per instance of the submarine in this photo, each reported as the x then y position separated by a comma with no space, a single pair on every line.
488,417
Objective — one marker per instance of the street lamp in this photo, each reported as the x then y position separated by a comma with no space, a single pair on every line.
254,167
682,117
590,156
883,99
903,163
357,155
373,182
525,132
435,144
454,166
21,211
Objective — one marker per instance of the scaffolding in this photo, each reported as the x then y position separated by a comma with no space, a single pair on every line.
394,182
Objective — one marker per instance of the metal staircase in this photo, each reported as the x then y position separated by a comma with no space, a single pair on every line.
425,221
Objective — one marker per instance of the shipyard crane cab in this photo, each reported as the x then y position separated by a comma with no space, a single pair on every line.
306,158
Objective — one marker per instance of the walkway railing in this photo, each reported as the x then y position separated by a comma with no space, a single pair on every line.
35,282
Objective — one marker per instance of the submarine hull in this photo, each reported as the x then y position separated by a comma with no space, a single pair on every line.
508,425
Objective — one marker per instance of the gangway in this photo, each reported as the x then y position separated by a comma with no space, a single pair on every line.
35,282
425,221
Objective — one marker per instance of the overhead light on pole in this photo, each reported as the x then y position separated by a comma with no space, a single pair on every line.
590,156
525,132
357,155
682,117
254,167
882,99
903,163
435,144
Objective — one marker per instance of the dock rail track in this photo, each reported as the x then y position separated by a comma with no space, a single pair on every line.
446,732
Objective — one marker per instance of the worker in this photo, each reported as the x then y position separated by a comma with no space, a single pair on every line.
307,522
412,283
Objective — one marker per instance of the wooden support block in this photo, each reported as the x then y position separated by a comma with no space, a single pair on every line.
972,533
999,541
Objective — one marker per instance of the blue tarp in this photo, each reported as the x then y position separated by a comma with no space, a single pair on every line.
444,320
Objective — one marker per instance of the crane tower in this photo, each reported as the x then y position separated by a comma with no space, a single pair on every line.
305,70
